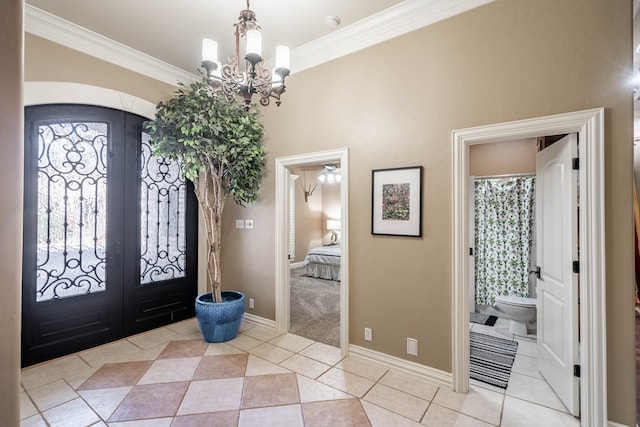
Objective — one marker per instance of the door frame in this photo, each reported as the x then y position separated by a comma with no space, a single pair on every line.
589,125
282,276
48,92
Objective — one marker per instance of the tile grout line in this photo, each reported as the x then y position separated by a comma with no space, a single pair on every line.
330,366
429,405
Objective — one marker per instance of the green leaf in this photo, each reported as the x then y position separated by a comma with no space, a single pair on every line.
199,129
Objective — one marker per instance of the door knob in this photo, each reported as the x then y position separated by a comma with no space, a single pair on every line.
536,271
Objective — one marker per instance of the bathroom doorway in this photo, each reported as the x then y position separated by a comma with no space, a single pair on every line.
509,273
502,224
588,125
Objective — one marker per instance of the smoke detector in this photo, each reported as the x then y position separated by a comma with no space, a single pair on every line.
331,21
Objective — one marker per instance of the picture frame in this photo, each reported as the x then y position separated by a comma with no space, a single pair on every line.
396,201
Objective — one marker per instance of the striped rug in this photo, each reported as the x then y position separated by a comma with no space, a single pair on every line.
491,358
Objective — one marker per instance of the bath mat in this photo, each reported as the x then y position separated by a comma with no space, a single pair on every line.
483,319
491,359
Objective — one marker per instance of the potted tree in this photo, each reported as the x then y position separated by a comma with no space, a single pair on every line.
218,144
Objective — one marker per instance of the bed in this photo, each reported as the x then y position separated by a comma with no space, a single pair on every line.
324,262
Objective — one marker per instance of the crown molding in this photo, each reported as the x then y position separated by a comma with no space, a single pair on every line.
410,15
48,26
395,21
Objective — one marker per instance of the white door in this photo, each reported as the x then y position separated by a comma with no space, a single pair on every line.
557,286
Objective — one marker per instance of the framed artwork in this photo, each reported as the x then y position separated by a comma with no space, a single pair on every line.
396,201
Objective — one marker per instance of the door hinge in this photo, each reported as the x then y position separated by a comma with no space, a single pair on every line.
576,267
576,371
471,251
575,163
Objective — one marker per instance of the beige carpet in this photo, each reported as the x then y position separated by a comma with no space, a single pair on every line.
315,308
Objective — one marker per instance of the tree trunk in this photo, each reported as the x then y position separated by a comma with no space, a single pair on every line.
211,199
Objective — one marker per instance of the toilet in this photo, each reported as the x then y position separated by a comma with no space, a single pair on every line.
521,311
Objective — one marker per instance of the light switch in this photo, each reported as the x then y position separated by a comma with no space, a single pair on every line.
239,223
248,223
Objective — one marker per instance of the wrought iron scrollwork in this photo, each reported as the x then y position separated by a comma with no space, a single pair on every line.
162,217
71,217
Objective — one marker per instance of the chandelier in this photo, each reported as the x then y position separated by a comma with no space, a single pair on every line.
253,77
330,174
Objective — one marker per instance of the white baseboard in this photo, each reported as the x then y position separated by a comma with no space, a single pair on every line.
420,371
297,265
260,321
423,372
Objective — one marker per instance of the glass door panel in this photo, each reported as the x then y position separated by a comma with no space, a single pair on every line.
162,217
71,215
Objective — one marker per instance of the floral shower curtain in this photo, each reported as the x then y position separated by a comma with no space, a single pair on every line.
504,233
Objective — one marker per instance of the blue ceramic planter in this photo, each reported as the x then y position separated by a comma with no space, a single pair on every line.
220,322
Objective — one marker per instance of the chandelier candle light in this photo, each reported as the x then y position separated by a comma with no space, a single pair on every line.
231,80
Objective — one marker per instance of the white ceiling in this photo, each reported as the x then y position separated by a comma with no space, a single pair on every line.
172,30
162,38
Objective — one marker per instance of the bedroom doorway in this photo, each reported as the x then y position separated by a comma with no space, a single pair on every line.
315,252
318,236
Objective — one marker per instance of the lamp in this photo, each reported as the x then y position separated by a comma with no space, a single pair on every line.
333,225
254,77
330,174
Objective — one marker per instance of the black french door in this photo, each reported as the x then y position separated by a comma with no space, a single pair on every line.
110,232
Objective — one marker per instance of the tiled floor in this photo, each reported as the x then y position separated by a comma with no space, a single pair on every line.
171,377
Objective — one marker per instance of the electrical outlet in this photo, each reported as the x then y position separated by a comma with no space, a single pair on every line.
368,334
248,223
412,346
250,302
239,223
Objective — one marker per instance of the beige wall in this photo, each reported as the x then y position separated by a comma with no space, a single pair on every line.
501,158
330,208
47,61
478,68
489,65
308,213
11,161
